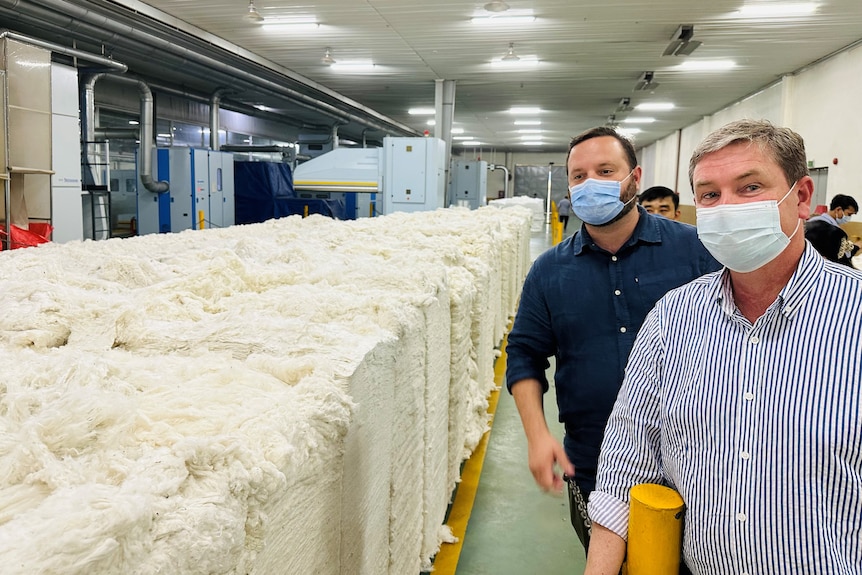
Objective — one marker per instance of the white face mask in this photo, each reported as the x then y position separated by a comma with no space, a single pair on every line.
744,237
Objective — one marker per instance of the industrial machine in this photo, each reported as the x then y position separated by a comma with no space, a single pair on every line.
201,193
468,186
405,175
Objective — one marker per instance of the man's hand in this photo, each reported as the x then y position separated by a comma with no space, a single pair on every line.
547,457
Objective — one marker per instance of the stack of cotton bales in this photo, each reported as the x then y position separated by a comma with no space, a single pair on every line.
290,397
536,205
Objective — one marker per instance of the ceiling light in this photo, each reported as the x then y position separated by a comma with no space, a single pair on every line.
655,106
510,17
521,62
327,57
431,122
294,23
533,143
457,130
463,137
496,6
681,43
421,111
645,82
629,131
133,122
510,54
354,66
707,65
528,122
788,9
471,143
530,131
641,120
253,15
524,110
532,137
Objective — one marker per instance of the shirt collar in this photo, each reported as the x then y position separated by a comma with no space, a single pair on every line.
646,231
792,295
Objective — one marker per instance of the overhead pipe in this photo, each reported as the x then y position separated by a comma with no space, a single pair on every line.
145,156
505,177
67,51
95,26
215,106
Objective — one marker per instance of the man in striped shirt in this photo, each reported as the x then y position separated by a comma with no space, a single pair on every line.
742,391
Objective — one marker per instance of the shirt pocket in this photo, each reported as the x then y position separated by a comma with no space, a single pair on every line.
651,285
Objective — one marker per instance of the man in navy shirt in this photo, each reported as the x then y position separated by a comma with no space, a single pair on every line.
584,301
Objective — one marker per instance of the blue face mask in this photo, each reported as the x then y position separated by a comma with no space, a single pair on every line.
843,220
597,202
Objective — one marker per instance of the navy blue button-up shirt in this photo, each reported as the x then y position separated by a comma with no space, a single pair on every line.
585,306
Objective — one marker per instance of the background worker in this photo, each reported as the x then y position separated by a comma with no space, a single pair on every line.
660,201
583,302
825,232
564,209
744,387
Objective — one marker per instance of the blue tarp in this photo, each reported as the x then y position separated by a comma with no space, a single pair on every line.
264,190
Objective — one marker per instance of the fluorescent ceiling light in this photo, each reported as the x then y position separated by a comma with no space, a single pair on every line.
421,111
524,110
636,120
528,122
509,17
706,65
522,62
532,137
533,143
354,66
457,130
463,137
530,131
778,10
471,143
133,122
431,122
287,23
629,131
655,106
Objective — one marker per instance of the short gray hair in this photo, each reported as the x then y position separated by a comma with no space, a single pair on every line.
783,144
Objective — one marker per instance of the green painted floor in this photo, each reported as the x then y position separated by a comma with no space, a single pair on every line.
515,528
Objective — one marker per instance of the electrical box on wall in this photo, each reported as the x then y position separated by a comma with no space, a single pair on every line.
469,184
413,174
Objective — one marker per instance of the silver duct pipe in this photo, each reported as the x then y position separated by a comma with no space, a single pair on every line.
65,50
117,134
505,177
67,17
145,154
334,136
215,106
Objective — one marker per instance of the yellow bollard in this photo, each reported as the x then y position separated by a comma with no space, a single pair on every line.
556,226
305,211
655,530
201,219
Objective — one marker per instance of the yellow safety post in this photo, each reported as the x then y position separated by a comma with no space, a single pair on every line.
655,530
201,219
305,211
556,225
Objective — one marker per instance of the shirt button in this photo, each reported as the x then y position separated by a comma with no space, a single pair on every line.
613,258
748,396
754,339
740,516
622,329
745,455
617,292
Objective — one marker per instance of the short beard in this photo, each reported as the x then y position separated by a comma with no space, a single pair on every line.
632,204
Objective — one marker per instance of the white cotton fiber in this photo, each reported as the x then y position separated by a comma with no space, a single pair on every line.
288,397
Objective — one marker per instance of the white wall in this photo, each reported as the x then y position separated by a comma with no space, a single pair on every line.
818,103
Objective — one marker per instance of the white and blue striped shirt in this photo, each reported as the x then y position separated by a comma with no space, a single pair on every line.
759,427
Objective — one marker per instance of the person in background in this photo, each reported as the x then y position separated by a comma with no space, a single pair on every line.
564,208
744,388
583,302
660,201
825,233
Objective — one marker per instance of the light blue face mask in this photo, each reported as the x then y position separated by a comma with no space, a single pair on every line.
843,220
597,202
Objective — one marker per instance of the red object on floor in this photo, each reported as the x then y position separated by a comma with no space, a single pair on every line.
22,238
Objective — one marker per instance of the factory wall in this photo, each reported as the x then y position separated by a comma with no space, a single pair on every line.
818,102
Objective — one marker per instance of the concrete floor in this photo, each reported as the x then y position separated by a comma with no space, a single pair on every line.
515,528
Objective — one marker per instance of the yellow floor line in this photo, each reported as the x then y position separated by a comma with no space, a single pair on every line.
447,558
